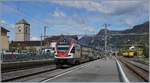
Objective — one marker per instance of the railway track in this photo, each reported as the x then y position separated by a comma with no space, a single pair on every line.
140,69
142,62
15,66
15,76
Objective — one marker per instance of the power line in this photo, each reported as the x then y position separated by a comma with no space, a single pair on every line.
122,34
18,11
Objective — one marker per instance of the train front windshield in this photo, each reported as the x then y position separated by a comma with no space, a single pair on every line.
63,48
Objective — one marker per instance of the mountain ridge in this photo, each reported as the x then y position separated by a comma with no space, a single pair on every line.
98,39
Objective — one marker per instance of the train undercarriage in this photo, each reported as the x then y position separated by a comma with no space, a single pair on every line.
70,62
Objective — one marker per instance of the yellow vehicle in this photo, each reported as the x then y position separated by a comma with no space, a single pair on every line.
128,53
125,54
131,54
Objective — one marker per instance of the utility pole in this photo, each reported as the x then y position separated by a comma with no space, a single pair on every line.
45,32
0,42
45,35
105,38
41,42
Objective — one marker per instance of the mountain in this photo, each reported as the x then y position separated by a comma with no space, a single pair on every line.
118,40
142,28
85,40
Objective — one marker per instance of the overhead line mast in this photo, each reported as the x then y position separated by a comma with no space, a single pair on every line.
105,38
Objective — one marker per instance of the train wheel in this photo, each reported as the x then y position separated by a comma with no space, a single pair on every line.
58,66
77,62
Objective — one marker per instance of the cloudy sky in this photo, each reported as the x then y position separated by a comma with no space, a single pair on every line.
84,17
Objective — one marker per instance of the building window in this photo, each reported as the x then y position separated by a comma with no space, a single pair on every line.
19,29
27,29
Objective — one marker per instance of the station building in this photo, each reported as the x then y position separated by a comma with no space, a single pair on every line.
4,38
22,41
22,31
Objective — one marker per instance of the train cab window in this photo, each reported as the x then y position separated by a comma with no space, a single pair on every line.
53,48
73,50
63,48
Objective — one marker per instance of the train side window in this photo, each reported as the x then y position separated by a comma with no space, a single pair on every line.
77,48
48,51
73,50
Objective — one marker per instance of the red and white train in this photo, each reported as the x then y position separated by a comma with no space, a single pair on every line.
69,52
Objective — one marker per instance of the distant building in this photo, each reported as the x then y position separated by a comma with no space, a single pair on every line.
26,46
22,31
49,40
34,46
4,38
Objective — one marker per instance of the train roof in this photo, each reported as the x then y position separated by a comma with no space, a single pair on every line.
85,45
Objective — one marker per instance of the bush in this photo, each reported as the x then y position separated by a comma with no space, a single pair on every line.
146,52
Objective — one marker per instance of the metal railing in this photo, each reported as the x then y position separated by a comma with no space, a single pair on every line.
25,57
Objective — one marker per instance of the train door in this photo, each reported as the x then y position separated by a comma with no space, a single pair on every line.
78,51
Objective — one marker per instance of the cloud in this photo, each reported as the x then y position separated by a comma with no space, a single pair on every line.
6,24
58,13
105,7
2,22
130,12
88,5
34,38
67,25
12,26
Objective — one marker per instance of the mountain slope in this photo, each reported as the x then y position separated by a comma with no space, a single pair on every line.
142,28
98,39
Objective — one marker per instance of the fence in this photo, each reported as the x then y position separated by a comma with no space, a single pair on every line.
25,57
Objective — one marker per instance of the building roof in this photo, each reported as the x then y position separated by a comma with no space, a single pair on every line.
38,43
26,43
22,21
59,37
3,29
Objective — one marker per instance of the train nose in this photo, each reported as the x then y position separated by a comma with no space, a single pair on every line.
62,54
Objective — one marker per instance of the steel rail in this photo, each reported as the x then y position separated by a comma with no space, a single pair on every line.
27,75
123,75
143,73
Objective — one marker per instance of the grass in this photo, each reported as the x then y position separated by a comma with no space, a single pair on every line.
143,58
